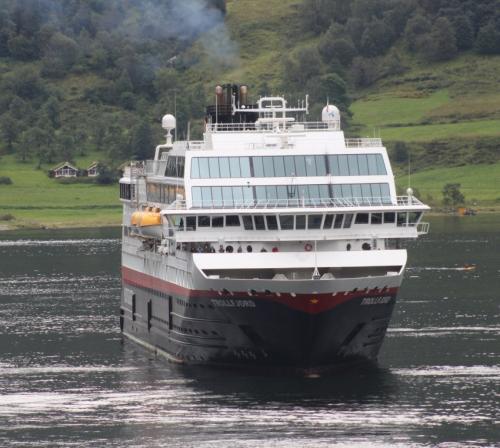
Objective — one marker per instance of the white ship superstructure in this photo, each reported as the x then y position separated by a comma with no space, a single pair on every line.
274,241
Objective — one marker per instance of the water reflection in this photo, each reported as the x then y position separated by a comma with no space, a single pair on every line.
68,379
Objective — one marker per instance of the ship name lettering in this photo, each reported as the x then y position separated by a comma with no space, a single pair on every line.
230,303
376,300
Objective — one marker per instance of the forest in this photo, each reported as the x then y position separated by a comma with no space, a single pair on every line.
96,75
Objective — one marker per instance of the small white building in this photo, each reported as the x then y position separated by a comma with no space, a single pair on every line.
92,170
64,169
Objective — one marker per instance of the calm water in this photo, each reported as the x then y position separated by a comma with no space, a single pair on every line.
68,379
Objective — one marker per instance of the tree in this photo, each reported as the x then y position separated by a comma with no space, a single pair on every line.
65,145
10,131
441,44
330,86
376,38
342,49
452,195
416,27
488,39
302,65
52,109
464,32
141,141
105,174
400,152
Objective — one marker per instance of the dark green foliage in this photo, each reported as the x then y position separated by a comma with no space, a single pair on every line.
302,65
488,39
401,153
416,28
464,32
106,175
440,44
5,180
452,195
376,39
141,142
434,29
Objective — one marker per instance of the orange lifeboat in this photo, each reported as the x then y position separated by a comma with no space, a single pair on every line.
147,223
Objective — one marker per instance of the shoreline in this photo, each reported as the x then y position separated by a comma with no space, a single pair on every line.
10,226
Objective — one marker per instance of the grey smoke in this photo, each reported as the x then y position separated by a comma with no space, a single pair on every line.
140,20
186,20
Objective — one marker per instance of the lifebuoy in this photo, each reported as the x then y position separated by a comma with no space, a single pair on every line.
308,247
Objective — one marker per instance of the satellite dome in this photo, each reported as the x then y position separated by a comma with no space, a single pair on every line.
168,122
330,113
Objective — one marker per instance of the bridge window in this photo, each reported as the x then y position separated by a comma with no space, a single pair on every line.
348,220
286,222
413,217
191,223
389,218
376,218
401,219
328,221
314,221
362,218
272,222
217,221
247,222
338,221
259,222
232,221
203,221
300,222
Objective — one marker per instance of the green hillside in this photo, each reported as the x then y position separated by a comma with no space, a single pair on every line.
73,87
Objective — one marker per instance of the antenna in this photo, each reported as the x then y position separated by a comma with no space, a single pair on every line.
175,113
409,169
409,190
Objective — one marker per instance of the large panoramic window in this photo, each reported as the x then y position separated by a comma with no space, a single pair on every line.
287,166
282,195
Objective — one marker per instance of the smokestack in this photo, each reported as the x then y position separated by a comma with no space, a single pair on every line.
243,95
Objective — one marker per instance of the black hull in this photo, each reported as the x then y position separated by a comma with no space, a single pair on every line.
256,332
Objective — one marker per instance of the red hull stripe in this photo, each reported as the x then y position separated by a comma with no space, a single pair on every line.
309,303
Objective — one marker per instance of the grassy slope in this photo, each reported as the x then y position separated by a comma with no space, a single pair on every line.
456,100
480,183
35,200
437,101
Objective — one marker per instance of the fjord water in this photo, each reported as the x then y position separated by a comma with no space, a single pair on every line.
68,379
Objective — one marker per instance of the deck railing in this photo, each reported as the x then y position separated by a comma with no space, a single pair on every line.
401,201
291,126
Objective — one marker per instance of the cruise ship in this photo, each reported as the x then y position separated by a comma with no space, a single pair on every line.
274,242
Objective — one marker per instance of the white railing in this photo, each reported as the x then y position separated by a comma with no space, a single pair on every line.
134,169
279,124
386,202
193,145
363,142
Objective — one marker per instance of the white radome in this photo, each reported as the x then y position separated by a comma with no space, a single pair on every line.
330,113
168,122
